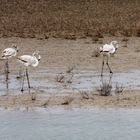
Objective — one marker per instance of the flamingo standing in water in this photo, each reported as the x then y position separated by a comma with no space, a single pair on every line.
7,54
29,60
107,50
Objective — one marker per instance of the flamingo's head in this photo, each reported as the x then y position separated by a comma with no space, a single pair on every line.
36,54
115,44
15,47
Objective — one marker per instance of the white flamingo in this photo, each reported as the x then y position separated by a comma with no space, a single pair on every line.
10,52
29,60
7,54
107,50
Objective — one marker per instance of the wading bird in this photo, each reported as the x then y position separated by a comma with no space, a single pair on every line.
7,54
29,60
107,50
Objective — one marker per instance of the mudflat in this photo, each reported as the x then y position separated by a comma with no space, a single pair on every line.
70,56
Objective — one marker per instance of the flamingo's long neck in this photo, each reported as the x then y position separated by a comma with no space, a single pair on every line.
36,62
114,45
37,56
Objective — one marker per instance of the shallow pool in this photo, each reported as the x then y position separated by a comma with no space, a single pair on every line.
80,80
70,124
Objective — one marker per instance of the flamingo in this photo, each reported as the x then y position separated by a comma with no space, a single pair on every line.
7,54
29,60
107,50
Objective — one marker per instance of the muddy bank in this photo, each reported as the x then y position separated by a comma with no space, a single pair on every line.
127,99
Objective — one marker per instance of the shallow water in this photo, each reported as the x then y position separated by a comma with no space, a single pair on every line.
45,80
70,124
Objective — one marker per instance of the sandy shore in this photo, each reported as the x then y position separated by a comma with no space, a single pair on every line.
80,55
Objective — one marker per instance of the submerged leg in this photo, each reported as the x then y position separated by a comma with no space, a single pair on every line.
7,70
28,79
102,66
7,66
23,83
108,65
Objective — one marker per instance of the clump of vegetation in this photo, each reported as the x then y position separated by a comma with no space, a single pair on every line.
65,77
95,40
125,45
70,73
70,69
125,39
69,81
33,96
118,89
105,89
67,100
45,104
84,95
125,42
60,78
70,37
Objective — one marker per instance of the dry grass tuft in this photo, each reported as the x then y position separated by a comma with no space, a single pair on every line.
47,18
105,89
84,95
119,89
125,39
95,40
69,81
67,100
70,69
65,77
60,78
125,45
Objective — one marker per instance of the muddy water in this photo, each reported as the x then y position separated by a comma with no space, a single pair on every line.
78,80
70,124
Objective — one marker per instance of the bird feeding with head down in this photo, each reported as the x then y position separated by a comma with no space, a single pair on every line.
107,50
29,61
